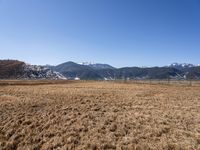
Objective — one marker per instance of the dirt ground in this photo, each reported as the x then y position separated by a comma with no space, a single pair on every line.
99,115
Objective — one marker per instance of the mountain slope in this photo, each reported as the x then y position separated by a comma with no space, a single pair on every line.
13,69
142,73
193,73
72,70
97,66
10,69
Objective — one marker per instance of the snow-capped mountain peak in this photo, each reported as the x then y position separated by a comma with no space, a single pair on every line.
182,65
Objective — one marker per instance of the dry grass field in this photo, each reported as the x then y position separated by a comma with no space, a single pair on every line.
99,116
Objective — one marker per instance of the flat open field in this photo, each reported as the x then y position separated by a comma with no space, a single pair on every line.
99,115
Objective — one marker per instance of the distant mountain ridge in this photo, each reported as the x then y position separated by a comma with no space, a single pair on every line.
88,71
106,72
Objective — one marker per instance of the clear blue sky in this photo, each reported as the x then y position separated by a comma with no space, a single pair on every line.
117,32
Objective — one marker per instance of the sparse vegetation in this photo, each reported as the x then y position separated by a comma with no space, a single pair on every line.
98,115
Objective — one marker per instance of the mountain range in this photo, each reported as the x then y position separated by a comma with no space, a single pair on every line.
14,69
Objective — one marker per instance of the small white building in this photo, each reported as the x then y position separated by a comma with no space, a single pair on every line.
77,78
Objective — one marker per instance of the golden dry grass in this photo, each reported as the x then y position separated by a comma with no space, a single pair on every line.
99,115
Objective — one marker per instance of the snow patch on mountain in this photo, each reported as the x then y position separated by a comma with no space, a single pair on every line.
40,72
97,65
86,63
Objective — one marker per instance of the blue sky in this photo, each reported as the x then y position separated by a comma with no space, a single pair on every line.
117,32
